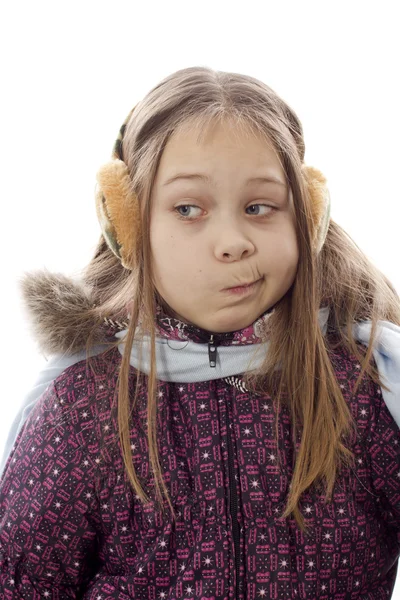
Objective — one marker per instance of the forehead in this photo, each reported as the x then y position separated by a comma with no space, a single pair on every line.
207,140
204,130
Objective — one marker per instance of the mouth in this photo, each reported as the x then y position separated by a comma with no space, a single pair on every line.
242,288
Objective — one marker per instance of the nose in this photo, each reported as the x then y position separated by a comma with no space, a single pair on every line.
232,244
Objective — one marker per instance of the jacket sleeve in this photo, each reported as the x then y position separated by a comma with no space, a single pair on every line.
383,438
384,452
48,508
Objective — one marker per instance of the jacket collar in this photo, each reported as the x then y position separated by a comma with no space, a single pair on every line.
175,329
200,357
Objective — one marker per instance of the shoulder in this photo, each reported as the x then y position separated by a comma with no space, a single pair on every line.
86,372
386,353
90,377
86,399
62,372
386,359
69,417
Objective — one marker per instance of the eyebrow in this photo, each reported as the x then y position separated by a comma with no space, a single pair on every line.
207,179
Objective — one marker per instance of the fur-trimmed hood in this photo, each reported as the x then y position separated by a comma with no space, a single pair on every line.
53,304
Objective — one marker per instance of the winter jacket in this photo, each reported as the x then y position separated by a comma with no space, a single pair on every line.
72,527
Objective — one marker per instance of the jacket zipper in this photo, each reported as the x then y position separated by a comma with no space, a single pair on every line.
233,501
233,505
212,351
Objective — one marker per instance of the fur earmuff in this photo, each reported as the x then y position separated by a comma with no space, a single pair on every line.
118,211
320,204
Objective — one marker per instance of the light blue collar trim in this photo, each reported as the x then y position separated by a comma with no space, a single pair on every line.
187,361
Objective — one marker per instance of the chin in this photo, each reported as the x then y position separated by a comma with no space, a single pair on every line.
229,324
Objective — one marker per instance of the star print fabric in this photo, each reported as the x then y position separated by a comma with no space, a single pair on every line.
72,527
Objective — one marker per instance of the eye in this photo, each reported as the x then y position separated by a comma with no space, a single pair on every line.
270,210
186,214
187,211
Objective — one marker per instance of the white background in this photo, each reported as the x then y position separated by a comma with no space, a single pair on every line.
70,73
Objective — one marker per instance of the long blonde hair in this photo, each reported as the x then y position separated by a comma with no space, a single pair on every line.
341,276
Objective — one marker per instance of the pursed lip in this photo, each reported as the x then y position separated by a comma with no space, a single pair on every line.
242,285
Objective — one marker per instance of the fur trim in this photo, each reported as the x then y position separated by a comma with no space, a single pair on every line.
318,192
118,210
54,307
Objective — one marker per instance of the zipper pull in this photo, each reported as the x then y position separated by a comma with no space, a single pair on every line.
212,352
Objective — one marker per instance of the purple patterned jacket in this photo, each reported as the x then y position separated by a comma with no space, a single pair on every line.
71,526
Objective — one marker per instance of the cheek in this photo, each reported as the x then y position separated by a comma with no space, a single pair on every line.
171,248
163,246
281,252
160,234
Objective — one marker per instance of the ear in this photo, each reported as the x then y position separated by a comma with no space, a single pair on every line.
320,204
118,211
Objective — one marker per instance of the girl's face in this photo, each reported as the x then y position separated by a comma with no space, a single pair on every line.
221,227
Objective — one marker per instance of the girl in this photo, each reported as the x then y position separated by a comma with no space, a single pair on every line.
220,418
